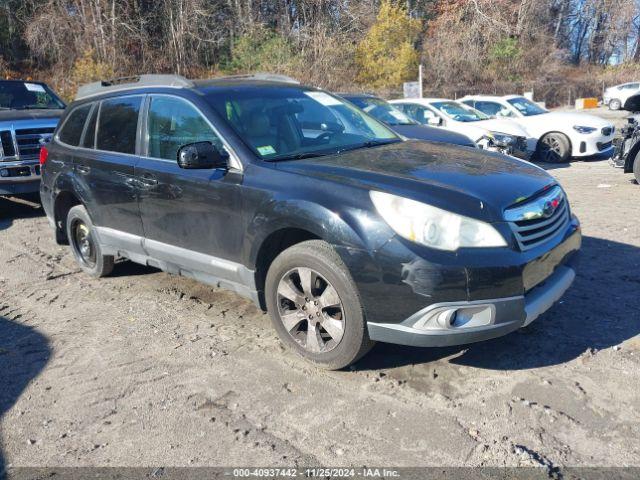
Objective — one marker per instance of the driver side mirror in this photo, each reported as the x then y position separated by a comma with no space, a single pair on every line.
434,121
201,155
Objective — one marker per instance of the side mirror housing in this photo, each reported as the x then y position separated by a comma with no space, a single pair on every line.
434,121
201,155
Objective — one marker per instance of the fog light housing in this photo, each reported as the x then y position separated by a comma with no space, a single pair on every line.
457,317
4,172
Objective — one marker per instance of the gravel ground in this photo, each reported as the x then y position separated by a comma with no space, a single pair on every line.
144,368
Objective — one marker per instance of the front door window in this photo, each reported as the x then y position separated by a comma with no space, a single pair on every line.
173,123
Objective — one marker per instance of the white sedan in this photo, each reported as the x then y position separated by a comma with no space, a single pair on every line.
558,136
493,134
616,96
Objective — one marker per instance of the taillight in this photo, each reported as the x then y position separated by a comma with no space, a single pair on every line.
44,154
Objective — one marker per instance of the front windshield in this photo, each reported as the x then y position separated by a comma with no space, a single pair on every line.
383,111
283,123
15,95
459,112
526,107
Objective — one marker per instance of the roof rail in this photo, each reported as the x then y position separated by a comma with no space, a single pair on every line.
269,77
124,83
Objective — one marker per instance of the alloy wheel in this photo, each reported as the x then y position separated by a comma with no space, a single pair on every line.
310,310
551,149
83,243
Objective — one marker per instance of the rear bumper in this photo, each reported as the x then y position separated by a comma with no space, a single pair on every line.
435,326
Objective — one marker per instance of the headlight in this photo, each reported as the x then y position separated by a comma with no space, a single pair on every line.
502,139
432,226
584,130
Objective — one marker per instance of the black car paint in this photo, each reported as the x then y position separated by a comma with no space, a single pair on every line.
417,131
231,214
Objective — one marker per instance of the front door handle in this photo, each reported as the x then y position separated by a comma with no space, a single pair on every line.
83,169
149,180
131,181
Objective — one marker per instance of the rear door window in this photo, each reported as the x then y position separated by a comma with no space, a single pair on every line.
118,124
493,109
74,125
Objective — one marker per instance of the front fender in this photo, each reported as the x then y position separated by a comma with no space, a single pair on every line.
355,234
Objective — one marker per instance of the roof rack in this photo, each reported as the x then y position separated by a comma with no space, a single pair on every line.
269,77
124,83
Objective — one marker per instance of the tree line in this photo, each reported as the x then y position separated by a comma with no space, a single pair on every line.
558,48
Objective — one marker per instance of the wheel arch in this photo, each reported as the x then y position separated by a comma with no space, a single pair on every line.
288,223
559,133
64,201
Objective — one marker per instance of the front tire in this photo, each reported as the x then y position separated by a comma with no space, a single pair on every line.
636,169
554,148
615,104
315,306
84,244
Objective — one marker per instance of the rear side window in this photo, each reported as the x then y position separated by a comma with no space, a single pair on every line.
118,124
73,126
490,108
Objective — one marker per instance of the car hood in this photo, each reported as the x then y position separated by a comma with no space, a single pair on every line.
470,182
503,126
566,120
8,116
432,134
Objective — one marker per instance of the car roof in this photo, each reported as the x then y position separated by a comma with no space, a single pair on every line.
143,83
423,100
490,97
358,95
16,80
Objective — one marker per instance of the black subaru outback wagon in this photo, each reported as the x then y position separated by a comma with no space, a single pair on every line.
294,198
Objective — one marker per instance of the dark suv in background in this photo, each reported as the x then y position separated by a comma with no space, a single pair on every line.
29,113
305,204
400,123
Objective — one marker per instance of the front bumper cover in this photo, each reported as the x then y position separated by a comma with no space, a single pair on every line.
435,326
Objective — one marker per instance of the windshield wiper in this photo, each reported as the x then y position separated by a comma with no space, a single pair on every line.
369,144
299,156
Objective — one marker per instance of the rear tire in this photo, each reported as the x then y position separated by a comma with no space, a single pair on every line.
615,104
315,306
554,147
84,244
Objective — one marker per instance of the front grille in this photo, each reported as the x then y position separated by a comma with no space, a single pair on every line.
30,140
7,143
603,146
531,233
606,131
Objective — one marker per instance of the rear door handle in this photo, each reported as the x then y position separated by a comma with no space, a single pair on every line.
83,169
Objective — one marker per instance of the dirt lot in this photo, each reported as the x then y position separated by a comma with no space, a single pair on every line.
149,369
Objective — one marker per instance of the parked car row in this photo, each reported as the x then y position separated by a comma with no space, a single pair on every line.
343,230
513,125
